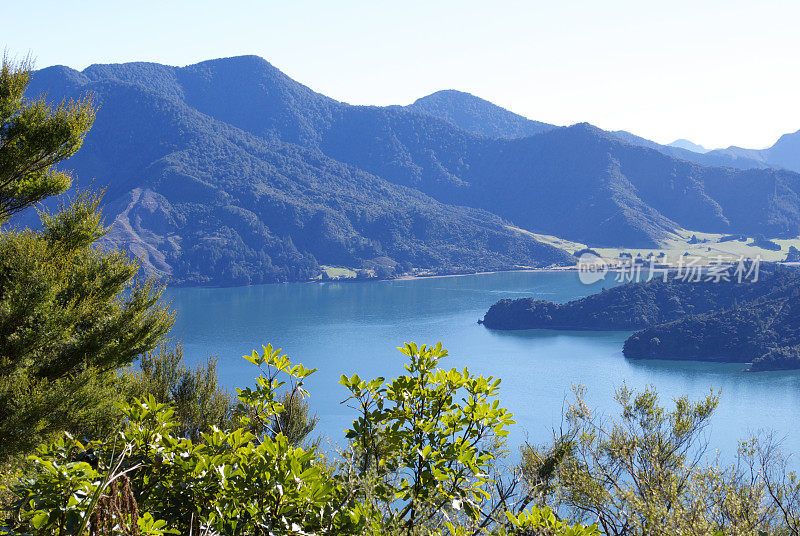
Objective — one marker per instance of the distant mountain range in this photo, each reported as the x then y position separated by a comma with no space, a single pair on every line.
480,116
229,172
784,154
689,146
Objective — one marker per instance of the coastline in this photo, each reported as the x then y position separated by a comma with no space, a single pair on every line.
411,277
434,276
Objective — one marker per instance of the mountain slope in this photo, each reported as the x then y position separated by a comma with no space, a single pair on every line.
688,145
578,182
204,202
786,152
364,186
480,116
477,115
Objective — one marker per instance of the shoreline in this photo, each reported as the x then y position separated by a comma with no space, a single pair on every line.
377,280
435,276
410,277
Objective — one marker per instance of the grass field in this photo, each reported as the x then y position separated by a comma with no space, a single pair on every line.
709,250
335,272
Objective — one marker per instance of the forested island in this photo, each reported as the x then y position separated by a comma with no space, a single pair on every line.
755,322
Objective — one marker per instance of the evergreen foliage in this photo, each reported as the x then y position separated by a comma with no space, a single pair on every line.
34,137
70,313
199,402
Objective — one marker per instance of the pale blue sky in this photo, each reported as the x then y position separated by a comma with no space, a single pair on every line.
717,72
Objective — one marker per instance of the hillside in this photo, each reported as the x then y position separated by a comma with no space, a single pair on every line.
754,322
765,334
477,115
578,182
785,153
233,157
203,202
480,116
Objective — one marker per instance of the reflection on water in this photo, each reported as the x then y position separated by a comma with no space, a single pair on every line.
355,327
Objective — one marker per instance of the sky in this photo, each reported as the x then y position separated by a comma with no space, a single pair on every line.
719,73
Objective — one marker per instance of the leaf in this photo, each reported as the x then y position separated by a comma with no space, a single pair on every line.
254,358
39,519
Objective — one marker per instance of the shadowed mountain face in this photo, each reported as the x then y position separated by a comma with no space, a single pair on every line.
229,172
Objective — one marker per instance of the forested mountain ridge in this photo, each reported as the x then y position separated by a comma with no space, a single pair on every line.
324,182
203,202
480,116
743,160
477,115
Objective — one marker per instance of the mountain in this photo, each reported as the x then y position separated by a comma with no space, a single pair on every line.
576,182
477,115
785,153
230,172
480,116
710,158
689,146
202,201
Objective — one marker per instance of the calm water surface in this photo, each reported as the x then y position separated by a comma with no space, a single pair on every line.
355,327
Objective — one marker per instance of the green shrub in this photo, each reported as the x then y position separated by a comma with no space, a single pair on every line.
432,474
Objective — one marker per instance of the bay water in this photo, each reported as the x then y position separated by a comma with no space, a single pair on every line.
345,328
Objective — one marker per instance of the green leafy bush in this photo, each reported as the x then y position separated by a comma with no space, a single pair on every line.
421,462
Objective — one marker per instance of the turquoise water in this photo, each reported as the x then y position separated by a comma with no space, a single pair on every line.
355,327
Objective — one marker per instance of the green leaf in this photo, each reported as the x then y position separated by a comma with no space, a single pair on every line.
39,519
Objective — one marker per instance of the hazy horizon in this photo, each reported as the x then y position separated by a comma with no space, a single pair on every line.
715,74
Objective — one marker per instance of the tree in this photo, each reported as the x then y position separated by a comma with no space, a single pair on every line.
644,473
199,401
70,313
429,439
34,137
227,482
